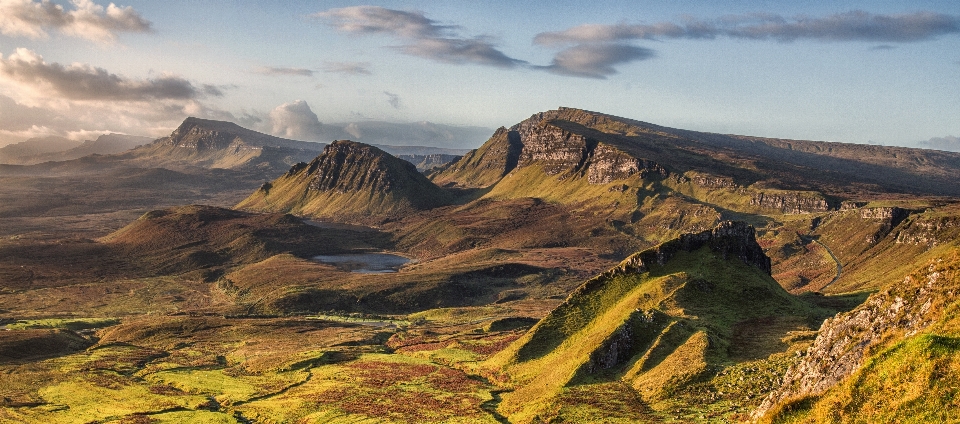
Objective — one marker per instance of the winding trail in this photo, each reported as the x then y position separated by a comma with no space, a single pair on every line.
808,237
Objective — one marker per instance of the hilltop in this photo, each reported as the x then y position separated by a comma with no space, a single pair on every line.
663,319
349,181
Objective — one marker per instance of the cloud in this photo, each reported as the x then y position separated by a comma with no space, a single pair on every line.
595,60
17,117
379,20
347,68
85,82
883,47
32,19
856,25
393,99
460,51
423,37
284,71
296,120
948,143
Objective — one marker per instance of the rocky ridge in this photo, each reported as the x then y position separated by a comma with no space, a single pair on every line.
846,341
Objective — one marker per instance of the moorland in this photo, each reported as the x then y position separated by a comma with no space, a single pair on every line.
576,267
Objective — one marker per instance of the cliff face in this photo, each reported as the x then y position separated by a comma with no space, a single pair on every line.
730,239
790,203
846,341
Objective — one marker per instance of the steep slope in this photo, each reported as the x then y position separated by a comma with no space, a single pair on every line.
662,319
893,359
349,181
566,140
219,144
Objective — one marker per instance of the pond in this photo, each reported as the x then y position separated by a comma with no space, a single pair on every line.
365,263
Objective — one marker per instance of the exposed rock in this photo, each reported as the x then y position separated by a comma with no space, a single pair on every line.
713,181
929,230
729,239
850,204
891,218
844,341
560,151
790,203
429,161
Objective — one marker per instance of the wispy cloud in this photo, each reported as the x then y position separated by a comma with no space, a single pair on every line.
595,60
284,71
393,99
347,68
32,19
855,25
423,37
84,82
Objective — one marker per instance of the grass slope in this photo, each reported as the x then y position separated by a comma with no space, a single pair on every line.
655,331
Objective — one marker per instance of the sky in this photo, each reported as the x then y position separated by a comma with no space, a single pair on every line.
880,72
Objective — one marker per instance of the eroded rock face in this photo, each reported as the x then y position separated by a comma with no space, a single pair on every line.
790,203
842,344
560,151
929,230
891,217
346,167
729,239
191,134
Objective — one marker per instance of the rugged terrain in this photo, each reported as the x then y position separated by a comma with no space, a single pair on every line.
576,267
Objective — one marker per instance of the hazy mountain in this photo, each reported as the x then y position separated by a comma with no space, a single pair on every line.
20,153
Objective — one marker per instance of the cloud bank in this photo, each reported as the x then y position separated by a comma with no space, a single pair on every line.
422,37
88,20
855,25
84,82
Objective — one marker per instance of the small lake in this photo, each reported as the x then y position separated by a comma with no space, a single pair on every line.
365,263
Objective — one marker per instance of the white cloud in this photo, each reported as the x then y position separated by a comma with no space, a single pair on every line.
296,120
88,20
284,71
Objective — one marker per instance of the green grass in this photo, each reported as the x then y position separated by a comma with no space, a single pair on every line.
75,324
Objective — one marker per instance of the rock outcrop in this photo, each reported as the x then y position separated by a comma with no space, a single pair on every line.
349,180
845,341
791,203
730,239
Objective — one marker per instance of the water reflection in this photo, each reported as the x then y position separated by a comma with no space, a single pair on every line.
365,263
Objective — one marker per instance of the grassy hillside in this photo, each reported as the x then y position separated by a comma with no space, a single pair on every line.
656,329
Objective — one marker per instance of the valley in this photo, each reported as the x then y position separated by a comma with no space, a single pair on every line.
576,267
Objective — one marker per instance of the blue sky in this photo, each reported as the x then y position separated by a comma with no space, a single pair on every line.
850,71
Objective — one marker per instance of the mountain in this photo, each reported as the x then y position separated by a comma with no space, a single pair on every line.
220,144
349,181
664,318
20,153
573,142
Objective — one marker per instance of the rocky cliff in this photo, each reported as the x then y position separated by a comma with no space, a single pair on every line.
347,181
846,341
793,203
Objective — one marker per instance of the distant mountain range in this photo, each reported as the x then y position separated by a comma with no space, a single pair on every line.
45,149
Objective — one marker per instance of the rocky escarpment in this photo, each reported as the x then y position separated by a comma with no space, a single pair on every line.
890,217
929,230
205,134
430,161
793,203
730,239
560,151
846,341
